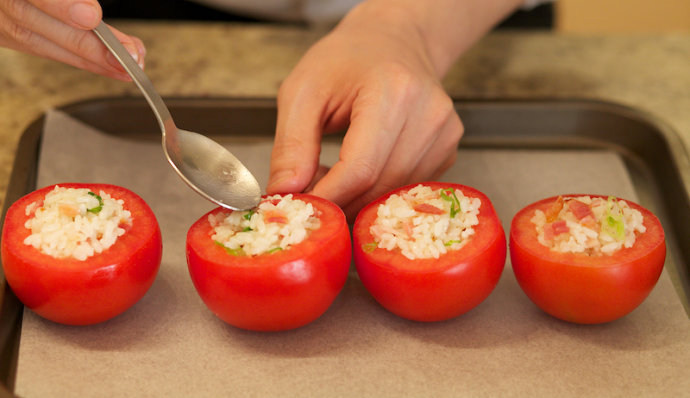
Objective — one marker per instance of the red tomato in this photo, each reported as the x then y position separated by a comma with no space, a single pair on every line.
432,289
85,292
586,289
274,291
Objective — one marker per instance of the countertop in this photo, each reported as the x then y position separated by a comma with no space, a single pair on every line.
647,72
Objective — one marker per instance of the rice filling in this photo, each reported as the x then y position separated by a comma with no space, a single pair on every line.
425,223
277,223
75,222
591,225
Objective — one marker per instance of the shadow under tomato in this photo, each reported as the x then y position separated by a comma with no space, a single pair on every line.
140,326
503,318
645,328
356,324
350,326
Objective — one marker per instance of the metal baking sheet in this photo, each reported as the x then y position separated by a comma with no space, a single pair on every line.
515,151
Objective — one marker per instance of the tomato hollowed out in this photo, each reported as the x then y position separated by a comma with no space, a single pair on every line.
432,289
583,288
276,290
81,292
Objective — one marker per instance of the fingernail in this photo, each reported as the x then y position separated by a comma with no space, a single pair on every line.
132,50
141,50
84,15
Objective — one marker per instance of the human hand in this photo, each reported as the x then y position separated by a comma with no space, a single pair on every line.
61,30
373,76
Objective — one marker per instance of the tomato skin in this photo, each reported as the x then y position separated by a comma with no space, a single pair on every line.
582,289
276,291
431,290
76,292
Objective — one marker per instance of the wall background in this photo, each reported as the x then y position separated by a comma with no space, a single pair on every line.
622,16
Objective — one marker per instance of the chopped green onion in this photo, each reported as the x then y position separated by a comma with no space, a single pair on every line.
369,247
275,249
232,252
448,195
451,242
247,229
249,215
97,209
613,223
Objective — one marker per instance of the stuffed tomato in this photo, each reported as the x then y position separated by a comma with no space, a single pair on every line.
431,251
80,254
586,258
276,267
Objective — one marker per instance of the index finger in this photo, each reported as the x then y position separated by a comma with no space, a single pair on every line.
81,14
297,144
373,133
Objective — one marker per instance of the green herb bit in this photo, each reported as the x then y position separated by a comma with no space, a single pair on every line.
615,227
275,249
369,247
97,209
247,229
613,222
448,195
451,243
233,252
249,215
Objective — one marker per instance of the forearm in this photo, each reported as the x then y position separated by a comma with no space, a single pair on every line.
447,28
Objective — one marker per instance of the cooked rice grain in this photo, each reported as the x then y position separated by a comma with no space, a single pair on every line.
276,224
590,237
62,226
418,232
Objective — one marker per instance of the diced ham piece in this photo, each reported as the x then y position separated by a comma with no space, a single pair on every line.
590,222
274,202
408,229
559,227
548,232
275,216
68,210
551,230
579,209
427,208
552,212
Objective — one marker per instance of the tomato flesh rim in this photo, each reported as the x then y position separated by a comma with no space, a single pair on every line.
487,231
143,227
199,234
523,233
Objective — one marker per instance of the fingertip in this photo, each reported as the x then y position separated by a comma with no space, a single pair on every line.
85,14
283,181
141,50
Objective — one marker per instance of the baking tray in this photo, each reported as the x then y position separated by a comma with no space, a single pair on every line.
653,154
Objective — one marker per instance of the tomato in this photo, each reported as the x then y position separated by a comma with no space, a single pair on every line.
273,291
585,289
431,289
69,291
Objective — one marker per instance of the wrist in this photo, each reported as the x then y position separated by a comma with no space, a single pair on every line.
445,28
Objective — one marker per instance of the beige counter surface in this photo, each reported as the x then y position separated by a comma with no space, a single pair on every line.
220,60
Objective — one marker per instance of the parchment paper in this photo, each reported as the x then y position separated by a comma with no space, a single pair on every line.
170,344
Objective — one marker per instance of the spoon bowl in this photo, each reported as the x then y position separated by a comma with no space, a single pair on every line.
206,166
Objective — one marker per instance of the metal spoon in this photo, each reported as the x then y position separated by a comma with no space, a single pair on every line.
206,166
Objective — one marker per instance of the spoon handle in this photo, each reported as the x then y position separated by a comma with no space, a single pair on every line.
138,75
